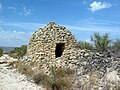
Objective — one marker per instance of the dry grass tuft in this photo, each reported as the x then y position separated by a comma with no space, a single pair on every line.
22,68
59,79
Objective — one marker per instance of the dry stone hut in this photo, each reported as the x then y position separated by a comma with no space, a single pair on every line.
53,45
50,42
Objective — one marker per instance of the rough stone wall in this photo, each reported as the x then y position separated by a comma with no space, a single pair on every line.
42,44
93,70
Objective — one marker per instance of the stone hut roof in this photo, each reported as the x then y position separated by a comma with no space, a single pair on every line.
51,42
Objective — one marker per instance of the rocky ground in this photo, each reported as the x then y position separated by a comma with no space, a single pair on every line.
10,79
94,71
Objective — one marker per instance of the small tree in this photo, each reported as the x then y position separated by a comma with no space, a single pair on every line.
84,45
22,50
101,43
1,51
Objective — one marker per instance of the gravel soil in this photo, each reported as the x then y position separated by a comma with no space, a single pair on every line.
10,79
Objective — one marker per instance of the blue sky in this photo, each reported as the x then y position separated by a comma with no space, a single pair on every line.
20,18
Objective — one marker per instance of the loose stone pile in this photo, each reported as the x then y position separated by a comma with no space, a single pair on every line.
41,55
104,68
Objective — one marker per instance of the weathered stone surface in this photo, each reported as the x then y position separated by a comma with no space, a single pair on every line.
44,40
43,44
90,67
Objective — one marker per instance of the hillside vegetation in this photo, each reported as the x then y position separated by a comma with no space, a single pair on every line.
18,51
100,43
85,69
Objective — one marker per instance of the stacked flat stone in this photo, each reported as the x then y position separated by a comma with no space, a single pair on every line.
44,40
42,44
41,57
41,52
85,62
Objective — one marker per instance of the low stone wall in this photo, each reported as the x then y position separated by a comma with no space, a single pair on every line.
89,66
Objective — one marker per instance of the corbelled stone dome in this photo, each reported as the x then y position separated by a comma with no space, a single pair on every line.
50,41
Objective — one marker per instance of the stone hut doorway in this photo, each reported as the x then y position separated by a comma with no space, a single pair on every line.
59,49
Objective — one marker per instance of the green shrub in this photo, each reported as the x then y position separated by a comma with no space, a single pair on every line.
101,43
19,51
1,51
84,45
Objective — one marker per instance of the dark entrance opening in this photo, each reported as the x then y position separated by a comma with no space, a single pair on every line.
59,49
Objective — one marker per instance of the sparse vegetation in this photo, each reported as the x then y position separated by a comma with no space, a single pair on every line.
59,79
22,68
62,78
18,52
1,52
84,45
101,43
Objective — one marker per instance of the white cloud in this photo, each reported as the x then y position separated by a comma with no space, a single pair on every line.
89,28
23,11
13,38
26,11
95,6
23,25
17,33
84,32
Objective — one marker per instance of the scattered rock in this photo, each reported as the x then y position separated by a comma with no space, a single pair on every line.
55,45
10,79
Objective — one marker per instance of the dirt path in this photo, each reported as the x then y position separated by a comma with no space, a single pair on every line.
10,79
